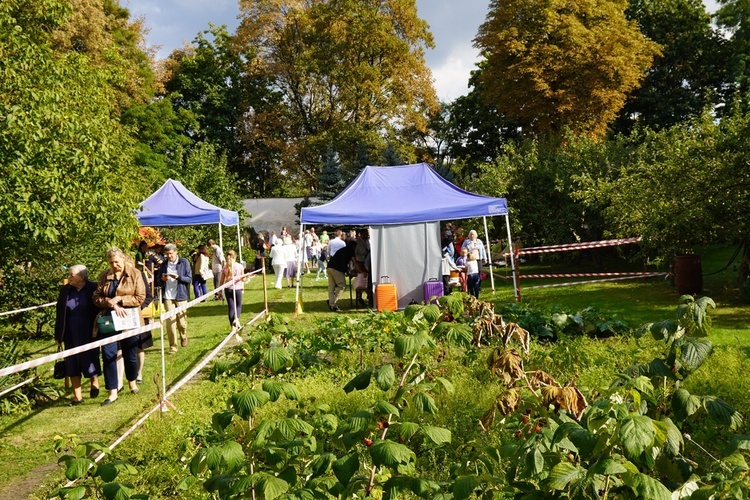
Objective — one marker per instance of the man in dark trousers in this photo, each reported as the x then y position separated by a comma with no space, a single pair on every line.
175,276
338,266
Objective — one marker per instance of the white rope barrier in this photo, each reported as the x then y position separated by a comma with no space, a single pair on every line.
584,275
48,304
576,246
178,385
20,384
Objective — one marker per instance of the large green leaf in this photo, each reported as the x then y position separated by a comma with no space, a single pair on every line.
109,471
437,435
674,442
326,423
232,454
464,486
405,430
246,402
424,402
646,486
321,464
564,473
636,434
385,408
606,466
692,352
221,420
684,404
406,345
360,382
219,483
385,376
431,313
269,486
445,383
283,429
721,412
117,491
277,358
345,467
459,334
423,488
360,421
77,467
582,439
389,454
738,442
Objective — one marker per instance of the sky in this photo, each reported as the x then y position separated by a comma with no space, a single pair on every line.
453,24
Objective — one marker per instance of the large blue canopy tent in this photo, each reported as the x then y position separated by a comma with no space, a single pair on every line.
403,205
175,205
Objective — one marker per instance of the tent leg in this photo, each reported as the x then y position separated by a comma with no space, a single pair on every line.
297,308
489,254
516,287
221,241
239,242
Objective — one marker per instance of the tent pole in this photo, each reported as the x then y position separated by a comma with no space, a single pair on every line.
516,289
488,251
221,241
239,241
297,308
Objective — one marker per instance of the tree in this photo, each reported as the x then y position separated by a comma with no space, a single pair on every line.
734,17
552,64
67,189
351,72
689,75
331,181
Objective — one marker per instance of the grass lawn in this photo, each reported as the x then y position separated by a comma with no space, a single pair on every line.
26,440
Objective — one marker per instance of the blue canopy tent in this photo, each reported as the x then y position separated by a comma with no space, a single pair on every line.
403,205
175,205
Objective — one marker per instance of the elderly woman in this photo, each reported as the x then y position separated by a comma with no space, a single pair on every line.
73,327
278,261
119,287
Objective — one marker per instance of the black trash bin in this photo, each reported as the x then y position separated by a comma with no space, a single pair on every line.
688,274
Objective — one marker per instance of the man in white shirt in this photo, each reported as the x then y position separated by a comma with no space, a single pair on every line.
217,264
335,244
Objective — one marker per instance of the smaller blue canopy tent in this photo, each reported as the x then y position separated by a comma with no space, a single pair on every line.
403,205
175,205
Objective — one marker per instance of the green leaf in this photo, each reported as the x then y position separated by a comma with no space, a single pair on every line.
437,435
562,474
389,454
738,442
277,358
646,486
464,486
117,491
636,434
273,388
424,402
360,421
406,345
77,467
360,382
269,486
457,333
721,412
674,442
446,384
431,313
606,466
684,404
345,467
221,420
213,458
405,430
385,376
664,329
693,352
246,402
74,493
326,423
232,454
385,408
321,464
109,471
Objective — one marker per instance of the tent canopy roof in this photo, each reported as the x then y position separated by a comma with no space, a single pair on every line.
399,195
174,205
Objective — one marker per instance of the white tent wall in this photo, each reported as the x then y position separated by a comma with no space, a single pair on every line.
407,253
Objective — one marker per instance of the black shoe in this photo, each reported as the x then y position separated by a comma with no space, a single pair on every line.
134,391
328,303
94,392
107,402
76,402
335,308
139,381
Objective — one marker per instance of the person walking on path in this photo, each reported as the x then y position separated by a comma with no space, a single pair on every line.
217,264
174,277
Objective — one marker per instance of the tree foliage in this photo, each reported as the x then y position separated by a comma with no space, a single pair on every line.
336,91
553,64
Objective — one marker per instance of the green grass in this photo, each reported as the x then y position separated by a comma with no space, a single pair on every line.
26,440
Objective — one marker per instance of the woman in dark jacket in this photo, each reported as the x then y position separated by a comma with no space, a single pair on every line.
74,324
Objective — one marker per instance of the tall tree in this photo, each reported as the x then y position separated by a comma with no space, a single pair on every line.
561,63
351,72
734,17
688,76
66,184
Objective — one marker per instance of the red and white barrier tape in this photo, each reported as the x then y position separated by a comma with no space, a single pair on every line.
177,310
575,246
571,283
583,275
20,384
76,350
48,304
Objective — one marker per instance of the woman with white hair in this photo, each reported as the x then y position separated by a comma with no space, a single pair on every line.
475,253
290,256
278,261
74,324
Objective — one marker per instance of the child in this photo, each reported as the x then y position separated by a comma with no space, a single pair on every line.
461,264
473,278
448,266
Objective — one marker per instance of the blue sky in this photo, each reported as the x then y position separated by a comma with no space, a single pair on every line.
453,23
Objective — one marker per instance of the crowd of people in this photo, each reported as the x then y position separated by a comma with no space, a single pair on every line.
86,310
